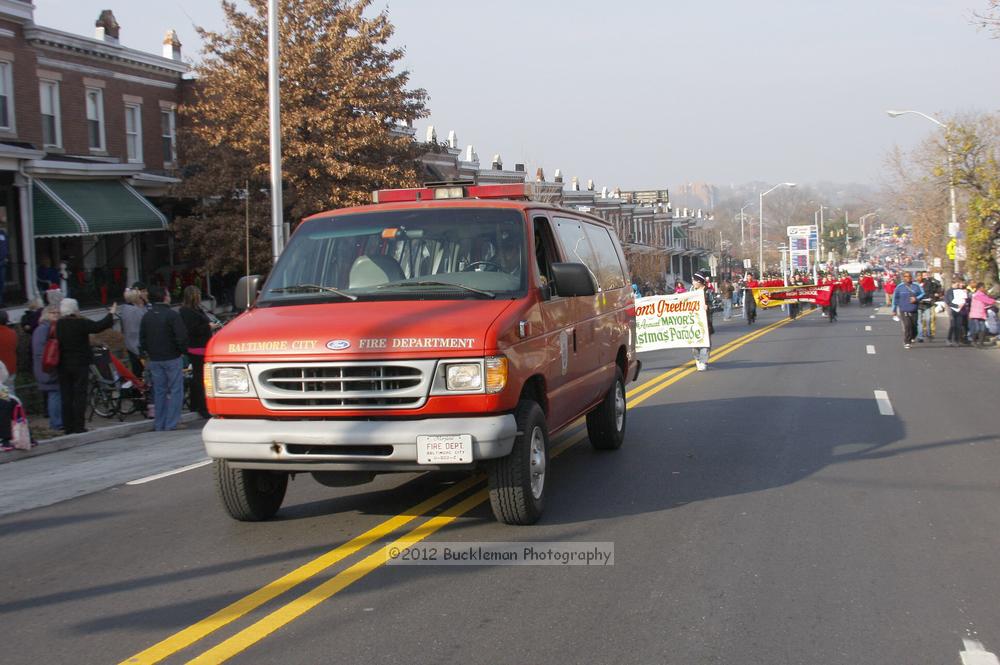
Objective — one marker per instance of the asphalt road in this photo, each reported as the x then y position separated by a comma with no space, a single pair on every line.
766,511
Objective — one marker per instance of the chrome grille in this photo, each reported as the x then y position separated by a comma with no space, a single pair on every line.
347,385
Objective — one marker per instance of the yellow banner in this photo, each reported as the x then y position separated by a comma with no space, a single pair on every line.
775,296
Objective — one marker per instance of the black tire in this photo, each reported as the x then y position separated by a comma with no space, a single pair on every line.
102,403
512,496
604,426
249,495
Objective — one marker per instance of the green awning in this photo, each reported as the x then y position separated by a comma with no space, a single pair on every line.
90,207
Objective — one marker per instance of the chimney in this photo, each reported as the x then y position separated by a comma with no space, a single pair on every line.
470,154
519,168
452,140
604,192
558,176
432,135
539,175
106,27
590,185
575,184
497,164
171,46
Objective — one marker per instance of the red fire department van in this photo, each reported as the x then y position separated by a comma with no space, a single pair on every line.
441,329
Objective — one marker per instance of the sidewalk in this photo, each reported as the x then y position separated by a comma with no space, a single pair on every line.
101,429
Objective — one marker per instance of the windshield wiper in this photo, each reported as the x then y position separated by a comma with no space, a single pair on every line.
313,287
488,294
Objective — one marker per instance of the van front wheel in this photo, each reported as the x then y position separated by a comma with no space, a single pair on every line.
249,495
517,481
606,423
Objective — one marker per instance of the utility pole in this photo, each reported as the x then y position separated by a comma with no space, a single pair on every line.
277,209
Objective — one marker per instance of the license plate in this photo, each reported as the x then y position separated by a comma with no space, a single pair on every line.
445,449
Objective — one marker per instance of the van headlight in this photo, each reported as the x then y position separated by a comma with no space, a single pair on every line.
464,377
231,381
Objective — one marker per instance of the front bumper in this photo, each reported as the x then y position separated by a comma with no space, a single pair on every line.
349,445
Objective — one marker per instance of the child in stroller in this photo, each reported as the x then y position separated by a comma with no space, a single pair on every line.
114,389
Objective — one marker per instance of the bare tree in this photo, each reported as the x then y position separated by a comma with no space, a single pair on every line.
989,19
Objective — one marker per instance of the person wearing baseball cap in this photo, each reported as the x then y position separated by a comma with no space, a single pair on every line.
700,282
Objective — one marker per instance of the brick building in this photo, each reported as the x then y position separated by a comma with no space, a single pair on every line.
87,150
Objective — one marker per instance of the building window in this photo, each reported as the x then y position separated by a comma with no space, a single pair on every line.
51,129
133,132
95,118
6,96
168,130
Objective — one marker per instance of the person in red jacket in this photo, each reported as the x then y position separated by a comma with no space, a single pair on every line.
889,288
846,289
867,286
834,284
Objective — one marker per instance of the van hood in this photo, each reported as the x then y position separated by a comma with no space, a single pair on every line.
357,330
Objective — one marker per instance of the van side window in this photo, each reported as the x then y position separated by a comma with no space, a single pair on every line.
609,269
576,247
545,251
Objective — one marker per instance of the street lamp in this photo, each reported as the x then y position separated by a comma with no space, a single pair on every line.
741,222
760,239
861,223
951,167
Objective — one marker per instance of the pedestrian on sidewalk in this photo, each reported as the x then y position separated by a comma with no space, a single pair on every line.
199,329
48,384
8,351
699,281
904,302
131,316
977,315
726,290
163,339
957,299
73,332
926,308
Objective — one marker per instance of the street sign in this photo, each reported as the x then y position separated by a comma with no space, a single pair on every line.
747,263
805,231
953,229
937,261
960,252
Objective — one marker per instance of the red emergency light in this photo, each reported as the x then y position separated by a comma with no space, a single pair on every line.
517,191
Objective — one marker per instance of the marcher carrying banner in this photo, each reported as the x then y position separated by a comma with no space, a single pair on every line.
775,296
671,322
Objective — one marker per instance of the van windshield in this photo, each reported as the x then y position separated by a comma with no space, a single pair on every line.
404,254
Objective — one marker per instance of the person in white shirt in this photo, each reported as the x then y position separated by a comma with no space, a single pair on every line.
957,299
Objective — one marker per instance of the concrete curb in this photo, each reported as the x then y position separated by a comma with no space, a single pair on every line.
68,441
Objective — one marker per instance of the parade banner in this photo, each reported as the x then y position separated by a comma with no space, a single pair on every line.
670,322
775,296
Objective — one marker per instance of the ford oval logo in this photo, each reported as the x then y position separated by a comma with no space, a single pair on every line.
338,344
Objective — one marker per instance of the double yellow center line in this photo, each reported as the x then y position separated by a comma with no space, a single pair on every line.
299,606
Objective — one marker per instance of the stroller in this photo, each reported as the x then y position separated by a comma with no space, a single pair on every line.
114,389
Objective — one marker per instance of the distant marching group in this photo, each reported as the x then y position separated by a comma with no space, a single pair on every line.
973,313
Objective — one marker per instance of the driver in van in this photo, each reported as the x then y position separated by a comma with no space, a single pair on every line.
509,257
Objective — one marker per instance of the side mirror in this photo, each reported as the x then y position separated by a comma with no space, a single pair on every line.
246,292
573,279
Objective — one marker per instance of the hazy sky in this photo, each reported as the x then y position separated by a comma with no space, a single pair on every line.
651,93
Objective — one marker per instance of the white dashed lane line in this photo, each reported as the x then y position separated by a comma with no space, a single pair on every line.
884,405
870,349
976,654
189,467
868,328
